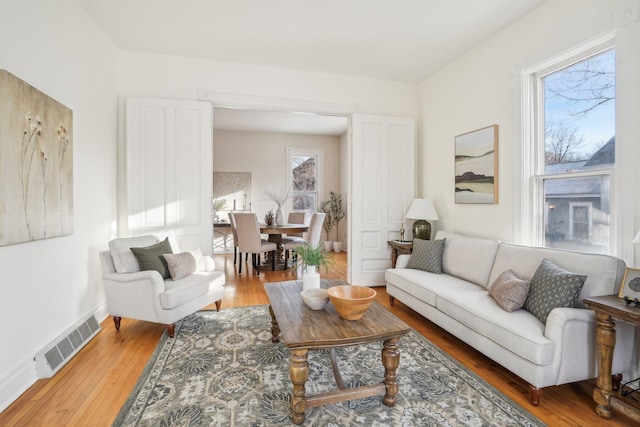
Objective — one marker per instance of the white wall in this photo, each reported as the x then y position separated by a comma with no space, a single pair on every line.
264,155
482,88
48,285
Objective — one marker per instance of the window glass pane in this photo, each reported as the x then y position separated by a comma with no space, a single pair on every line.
578,213
579,115
304,173
304,201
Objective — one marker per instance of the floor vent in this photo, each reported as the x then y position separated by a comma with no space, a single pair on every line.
59,352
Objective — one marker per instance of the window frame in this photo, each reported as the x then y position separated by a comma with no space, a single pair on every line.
533,206
319,155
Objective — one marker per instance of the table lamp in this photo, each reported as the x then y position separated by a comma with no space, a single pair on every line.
422,210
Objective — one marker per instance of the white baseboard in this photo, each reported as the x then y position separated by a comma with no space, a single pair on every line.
17,382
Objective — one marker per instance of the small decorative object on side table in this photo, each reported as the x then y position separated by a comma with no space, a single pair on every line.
606,308
399,247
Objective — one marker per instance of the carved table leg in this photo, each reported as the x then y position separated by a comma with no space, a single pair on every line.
275,329
605,341
391,300
299,372
390,360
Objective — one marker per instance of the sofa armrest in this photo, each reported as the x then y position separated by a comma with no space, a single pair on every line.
150,275
402,260
573,332
135,295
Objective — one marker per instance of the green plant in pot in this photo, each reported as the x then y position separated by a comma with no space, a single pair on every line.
309,259
337,215
327,225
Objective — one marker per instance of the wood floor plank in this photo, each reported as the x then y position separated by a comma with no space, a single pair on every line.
93,386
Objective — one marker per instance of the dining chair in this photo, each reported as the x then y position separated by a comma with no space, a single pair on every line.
313,236
297,218
250,242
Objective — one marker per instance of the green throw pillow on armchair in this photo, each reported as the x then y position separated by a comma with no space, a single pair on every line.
150,257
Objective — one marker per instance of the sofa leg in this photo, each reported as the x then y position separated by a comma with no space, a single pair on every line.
218,304
615,382
171,329
534,395
392,299
116,322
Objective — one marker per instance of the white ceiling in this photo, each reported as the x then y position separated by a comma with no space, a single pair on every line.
396,40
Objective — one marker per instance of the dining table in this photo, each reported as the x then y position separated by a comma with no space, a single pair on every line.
275,233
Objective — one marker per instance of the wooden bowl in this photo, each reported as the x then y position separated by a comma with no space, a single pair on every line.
315,299
351,301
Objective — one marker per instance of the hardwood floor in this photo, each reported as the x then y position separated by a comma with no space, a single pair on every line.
92,387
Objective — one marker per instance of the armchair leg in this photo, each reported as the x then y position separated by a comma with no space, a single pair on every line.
235,254
391,300
171,329
534,395
273,261
116,322
240,264
218,304
286,258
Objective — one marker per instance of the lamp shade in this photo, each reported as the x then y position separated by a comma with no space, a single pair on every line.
422,209
637,238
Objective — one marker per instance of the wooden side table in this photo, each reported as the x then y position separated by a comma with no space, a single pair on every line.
399,248
607,308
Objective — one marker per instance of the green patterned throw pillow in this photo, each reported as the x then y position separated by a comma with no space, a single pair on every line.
427,255
552,287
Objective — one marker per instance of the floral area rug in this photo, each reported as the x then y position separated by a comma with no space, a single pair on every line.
222,369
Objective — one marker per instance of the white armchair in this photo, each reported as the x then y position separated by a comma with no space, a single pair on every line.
145,295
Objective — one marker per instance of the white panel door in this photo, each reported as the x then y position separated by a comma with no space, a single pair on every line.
382,188
170,169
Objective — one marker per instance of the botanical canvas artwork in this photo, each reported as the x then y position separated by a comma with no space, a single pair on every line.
476,166
36,158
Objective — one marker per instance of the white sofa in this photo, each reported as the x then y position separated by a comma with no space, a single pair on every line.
561,351
145,295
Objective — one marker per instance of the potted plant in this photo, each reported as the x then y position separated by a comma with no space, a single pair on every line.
327,225
337,214
308,260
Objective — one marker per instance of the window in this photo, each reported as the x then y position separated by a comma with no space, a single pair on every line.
305,178
570,153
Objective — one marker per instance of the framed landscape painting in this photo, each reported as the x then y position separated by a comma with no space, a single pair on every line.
476,166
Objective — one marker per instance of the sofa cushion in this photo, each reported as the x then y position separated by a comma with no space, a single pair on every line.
427,255
509,291
123,259
150,257
519,332
180,265
468,258
424,285
552,287
604,272
183,290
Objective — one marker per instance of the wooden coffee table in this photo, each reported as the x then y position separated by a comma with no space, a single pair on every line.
304,329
